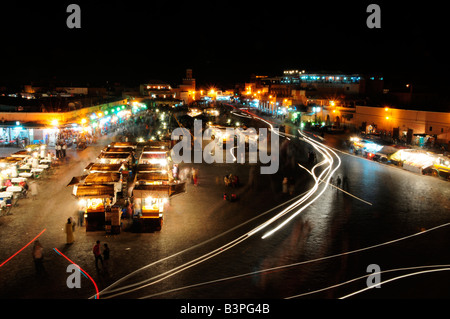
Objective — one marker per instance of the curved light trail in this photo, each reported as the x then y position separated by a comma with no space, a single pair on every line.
81,270
396,278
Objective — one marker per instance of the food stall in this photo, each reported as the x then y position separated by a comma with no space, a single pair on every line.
39,149
149,201
152,178
366,148
110,149
152,189
123,144
414,160
156,145
143,168
104,168
96,200
155,157
106,178
9,167
385,153
116,158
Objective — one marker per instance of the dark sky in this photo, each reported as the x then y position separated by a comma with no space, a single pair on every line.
223,42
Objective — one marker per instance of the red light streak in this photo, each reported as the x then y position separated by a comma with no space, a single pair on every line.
22,248
95,285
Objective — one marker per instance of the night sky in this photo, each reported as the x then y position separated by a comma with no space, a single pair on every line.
223,42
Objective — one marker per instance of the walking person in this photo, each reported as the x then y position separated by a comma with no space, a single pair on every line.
106,257
69,232
38,257
97,254
34,189
338,181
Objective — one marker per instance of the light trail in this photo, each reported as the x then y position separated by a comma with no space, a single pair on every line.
363,277
362,200
396,278
17,252
81,270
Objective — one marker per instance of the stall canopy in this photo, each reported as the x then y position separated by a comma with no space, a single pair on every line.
98,167
95,191
118,150
10,160
149,168
22,153
159,191
156,146
155,191
123,156
123,144
102,178
77,180
152,176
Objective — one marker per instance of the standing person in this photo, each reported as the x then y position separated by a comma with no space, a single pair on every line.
69,232
58,150
63,149
106,257
192,175
175,171
285,185
81,216
97,254
38,257
338,181
34,189
195,176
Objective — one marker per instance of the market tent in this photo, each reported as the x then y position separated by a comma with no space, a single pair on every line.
114,155
123,144
22,153
102,178
95,191
98,167
76,180
156,191
149,168
152,176
159,191
11,160
118,150
156,146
